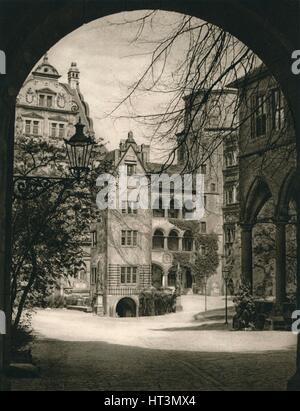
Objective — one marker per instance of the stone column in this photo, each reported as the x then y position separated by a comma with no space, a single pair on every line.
180,243
246,244
280,262
165,243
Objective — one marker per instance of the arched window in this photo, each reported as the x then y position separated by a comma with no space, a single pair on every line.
173,241
188,240
158,210
173,210
158,240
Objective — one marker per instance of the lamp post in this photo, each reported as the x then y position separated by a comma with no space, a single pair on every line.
79,149
226,277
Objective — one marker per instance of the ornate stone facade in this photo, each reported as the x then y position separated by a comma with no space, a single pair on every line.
47,110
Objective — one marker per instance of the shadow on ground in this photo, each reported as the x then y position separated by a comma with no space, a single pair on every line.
98,366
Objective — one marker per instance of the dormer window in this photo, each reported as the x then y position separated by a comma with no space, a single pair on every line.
41,100
49,101
131,169
45,100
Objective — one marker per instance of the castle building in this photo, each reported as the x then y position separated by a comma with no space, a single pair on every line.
134,249
48,109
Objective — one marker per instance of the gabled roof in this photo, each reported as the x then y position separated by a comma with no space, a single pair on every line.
137,157
254,75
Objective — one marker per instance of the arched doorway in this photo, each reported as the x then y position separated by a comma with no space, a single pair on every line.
188,279
126,307
157,276
172,277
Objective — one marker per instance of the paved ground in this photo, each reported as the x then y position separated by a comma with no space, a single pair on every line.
78,351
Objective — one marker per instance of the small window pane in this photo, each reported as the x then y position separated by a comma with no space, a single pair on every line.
123,275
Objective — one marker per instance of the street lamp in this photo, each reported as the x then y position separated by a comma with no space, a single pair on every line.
226,278
79,149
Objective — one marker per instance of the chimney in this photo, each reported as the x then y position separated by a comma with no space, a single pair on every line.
73,76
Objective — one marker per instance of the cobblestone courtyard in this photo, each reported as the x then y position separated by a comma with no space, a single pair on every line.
78,351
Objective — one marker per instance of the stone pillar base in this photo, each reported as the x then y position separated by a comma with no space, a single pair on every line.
294,382
99,308
178,304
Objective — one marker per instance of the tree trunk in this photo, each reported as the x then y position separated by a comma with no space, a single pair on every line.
27,289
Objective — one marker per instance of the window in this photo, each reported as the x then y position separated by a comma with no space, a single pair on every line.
188,241
129,275
45,101
259,125
42,100
94,276
49,101
57,130
205,201
230,195
35,129
158,240
129,238
213,187
278,115
123,237
94,239
158,210
203,169
123,275
230,159
134,238
129,207
173,241
61,131
131,169
32,127
53,129
173,211
203,228
27,126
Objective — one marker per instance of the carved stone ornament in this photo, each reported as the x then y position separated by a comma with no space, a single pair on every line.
30,96
61,100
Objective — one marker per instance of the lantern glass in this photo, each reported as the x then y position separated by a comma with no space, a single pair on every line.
79,150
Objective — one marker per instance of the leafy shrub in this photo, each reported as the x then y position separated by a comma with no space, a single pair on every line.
245,309
156,302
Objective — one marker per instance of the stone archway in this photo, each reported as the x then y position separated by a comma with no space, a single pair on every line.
258,24
126,307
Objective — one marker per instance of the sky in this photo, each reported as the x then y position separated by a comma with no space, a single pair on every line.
110,61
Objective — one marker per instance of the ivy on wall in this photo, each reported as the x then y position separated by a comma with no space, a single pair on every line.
202,264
